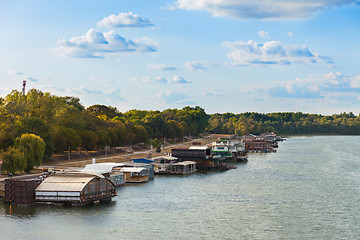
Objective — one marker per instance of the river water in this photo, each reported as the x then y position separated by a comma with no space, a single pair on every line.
309,189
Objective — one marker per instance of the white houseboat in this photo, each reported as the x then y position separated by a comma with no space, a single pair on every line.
186,167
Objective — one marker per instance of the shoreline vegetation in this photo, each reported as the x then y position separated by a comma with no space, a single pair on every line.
37,126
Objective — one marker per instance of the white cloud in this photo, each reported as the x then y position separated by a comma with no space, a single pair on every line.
85,91
145,44
326,85
31,79
197,65
290,34
270,53
160,79
271,9
161,67
146,80
94,78
149,80
124,20
94,37
95,44
172,97
263,34
13,72
180,80
113,94
214,92
18,75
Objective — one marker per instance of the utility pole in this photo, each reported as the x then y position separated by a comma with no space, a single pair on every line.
69,153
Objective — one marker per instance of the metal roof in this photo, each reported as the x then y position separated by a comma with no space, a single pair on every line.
184,163
165,157
79,173
199,147
65,183
133,164
100,168
132,169
143,160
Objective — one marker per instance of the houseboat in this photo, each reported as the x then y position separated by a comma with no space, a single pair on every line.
231,149
132,164
162,164
186,167
74,188
258,144
135,174
202,155
108,170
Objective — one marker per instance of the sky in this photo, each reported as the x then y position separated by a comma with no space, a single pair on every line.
222,55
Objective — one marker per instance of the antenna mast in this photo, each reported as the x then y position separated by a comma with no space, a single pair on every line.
23,89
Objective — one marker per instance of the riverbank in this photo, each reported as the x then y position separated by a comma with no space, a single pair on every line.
132,152
306,190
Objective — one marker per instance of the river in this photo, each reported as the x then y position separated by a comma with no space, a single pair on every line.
309,189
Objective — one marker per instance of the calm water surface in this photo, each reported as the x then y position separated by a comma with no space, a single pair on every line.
309,189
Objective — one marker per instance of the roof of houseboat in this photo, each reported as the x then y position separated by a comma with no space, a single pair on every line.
185,163
199,147
100,168
132,169
165,157
65,182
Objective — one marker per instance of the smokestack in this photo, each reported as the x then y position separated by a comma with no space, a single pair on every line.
24,84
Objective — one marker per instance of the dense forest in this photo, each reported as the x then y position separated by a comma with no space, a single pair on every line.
63,123
39,124
284,123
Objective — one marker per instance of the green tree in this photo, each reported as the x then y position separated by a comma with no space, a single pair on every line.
73,101
13,160
38,127
66,137
33,148
101,110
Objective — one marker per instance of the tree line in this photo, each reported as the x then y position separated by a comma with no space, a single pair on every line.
63,123
284,123
35,125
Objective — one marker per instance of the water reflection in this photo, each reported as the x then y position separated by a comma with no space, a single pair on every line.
22,211
18,211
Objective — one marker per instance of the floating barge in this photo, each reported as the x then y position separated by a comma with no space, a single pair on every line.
202,156
108,170
186,167
135,174
229,149
75,189
162,164
121,173
138,164
259,144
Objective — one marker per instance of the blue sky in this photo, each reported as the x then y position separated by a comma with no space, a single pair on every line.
224,55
